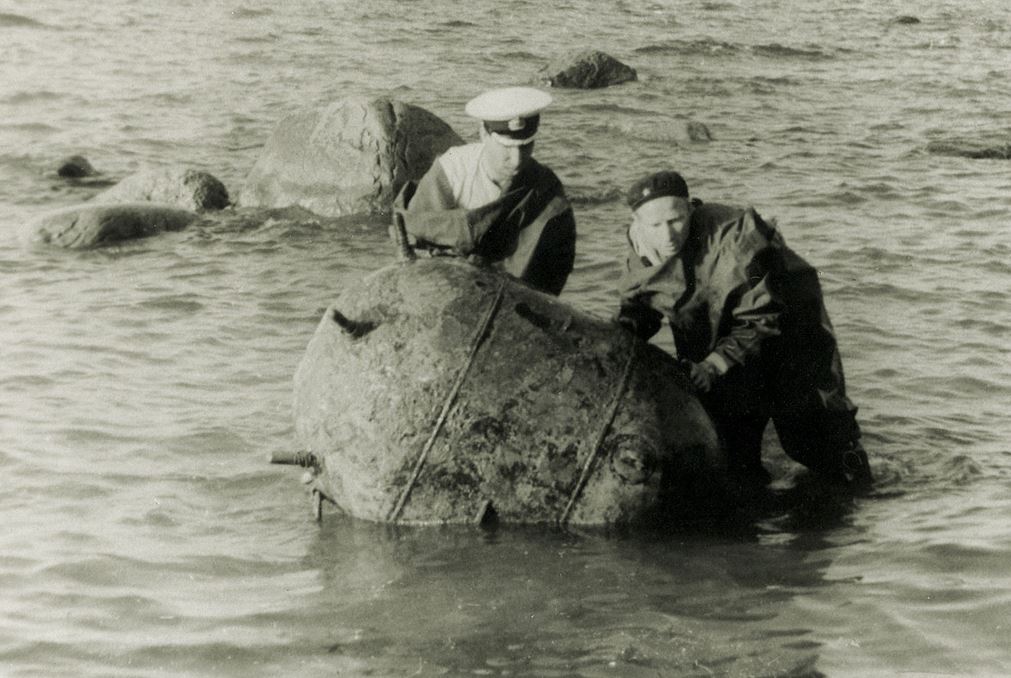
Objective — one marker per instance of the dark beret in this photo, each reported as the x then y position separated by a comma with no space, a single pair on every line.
656,185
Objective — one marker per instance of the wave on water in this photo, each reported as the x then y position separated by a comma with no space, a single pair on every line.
605,109
947,42
773,81
30,127
248,13
32,97
17,21
519,56
711,47
600,197
266,37
277,228
853,193
959,469
775,49
674,132
173,98
458,24
705,46
171,302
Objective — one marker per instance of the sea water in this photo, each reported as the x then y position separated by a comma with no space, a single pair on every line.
143,385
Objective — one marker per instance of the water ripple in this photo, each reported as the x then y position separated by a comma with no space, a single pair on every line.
143,385
8,20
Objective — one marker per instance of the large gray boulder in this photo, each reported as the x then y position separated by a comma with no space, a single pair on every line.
185,188
440,392
89,225
349,157
589,69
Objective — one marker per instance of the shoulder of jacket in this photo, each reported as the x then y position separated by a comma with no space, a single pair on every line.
714,214
739,228
545,178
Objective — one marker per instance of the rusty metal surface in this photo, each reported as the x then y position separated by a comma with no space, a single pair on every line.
440,392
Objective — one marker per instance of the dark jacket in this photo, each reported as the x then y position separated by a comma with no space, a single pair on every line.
736,290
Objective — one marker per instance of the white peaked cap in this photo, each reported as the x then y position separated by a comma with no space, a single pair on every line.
508,103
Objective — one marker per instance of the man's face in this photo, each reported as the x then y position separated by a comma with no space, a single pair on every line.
663,223
504,162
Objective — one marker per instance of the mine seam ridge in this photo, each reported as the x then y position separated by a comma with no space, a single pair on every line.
405,251
591,459
476,343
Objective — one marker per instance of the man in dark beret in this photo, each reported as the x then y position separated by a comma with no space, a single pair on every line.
749,321
492,200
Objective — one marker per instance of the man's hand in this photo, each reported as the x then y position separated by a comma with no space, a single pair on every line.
497,212
626,323
704,375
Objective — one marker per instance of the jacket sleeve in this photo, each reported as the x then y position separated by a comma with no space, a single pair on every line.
750,305
636,311
555,255
432,216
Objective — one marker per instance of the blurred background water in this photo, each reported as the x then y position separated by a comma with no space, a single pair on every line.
142,386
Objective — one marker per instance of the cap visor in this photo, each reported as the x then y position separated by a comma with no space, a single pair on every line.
510,141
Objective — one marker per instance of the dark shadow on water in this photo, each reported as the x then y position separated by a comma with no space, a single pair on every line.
707,591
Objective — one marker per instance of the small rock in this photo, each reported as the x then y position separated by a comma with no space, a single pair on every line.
589,69
75,167
89,225
177,186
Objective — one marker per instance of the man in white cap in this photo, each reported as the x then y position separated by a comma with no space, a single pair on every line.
493,200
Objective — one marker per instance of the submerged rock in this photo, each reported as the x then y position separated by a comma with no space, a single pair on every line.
177,186
995,148
673,131
588,69
349,157
440,392
75,167
90,225
697,131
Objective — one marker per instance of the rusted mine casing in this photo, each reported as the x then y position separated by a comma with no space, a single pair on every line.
437,391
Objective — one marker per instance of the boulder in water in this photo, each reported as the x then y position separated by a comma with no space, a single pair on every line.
88,225
697,131
75,167
177,186
672,131
588,69
995,148
349,157
440,392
